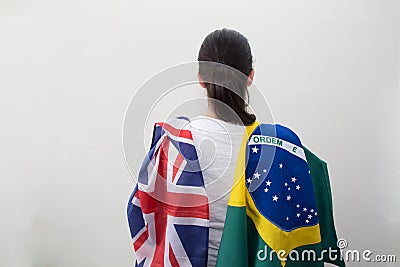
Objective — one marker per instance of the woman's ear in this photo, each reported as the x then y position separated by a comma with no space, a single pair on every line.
200,80
250,78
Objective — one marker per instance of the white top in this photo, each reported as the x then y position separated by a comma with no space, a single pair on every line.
217,143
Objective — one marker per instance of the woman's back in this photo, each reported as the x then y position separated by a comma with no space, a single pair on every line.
217,143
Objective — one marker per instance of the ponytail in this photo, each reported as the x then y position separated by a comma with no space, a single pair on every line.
229,96
225,63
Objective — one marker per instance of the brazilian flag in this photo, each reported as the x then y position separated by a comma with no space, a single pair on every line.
280,208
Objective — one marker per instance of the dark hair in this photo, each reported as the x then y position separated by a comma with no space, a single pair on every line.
225,87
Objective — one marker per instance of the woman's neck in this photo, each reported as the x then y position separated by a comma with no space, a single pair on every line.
211,112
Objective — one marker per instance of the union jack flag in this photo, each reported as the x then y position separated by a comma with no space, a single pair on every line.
168,211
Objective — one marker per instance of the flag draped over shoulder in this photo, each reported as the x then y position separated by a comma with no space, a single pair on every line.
279,211
168,210
280,208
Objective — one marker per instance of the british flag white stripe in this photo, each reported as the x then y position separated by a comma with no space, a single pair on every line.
181,139
135,201
192,221
152,170
175,137
176,245
146,251
174,240
186,189
172,184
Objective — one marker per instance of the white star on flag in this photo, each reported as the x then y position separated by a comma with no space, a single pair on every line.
257,175
275,198
265,190
264,171
309,216
298,187
249,180
305,209
294,179
268,182
298,215
255,149
280,165
307,221
288,198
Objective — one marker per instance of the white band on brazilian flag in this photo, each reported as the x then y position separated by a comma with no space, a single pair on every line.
274,141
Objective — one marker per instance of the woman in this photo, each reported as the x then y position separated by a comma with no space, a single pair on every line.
219,189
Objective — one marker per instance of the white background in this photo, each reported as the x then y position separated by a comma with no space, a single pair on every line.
330,70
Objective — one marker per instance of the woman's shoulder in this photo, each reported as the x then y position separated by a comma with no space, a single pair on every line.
215,126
